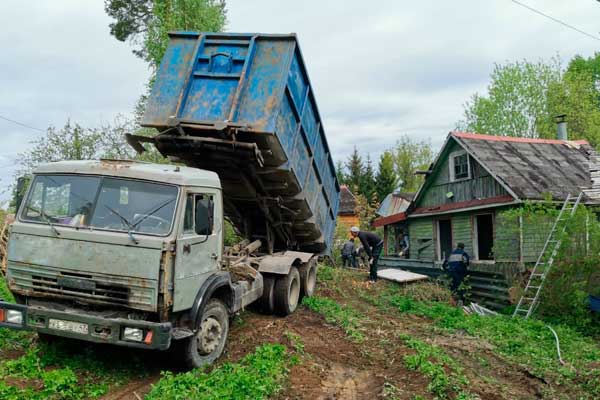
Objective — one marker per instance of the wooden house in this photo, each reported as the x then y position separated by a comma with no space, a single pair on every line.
472,180
347,215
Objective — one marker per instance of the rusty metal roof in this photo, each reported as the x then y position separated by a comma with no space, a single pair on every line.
394,203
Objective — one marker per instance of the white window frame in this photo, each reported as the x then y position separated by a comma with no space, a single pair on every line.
453,155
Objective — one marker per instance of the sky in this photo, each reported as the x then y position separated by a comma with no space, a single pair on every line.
379,69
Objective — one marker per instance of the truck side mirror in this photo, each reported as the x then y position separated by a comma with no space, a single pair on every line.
204,216
20,190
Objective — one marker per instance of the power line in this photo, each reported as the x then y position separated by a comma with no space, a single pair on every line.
21,124
557,20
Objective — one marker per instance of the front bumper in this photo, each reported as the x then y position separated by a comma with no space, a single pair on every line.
100,330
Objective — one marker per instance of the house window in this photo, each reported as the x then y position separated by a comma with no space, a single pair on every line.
459,166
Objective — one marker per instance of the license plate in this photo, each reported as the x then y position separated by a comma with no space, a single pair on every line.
68,326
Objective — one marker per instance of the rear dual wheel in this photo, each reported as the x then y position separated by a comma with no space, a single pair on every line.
287,292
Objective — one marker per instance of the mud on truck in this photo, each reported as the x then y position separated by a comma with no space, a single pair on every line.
132,254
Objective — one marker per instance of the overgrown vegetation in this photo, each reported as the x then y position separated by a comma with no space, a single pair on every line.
525,342
346,317
445,374
574,275
257,376
60,371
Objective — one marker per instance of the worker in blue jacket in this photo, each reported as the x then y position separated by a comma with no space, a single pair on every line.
456,265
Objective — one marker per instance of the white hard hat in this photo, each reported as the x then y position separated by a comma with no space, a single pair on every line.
354,229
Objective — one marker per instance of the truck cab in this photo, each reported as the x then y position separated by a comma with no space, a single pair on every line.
126,253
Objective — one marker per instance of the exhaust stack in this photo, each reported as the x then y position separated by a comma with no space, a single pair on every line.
561,127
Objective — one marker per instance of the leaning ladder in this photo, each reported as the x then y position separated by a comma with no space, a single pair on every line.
529,300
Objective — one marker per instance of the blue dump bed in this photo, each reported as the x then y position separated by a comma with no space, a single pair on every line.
242,105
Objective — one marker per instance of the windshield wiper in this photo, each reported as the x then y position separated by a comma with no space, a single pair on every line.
130,227
150,213
46,219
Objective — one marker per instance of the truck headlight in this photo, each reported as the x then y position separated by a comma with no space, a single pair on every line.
14,317
133,334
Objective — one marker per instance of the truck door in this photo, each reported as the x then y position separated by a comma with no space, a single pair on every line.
197,249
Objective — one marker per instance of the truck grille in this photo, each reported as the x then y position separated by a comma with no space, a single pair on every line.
85,287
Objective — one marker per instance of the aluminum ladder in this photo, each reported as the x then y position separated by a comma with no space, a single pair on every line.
529,300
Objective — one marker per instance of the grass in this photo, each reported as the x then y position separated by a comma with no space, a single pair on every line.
257,376
58,371
528,343
444,373
347,317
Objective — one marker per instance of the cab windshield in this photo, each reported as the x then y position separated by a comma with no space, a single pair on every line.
102,203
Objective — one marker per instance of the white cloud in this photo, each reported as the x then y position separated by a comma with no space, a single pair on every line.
379,69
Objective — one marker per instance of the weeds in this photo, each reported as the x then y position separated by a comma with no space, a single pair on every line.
444,373
347,317
526,342
257,376
54,371
296,342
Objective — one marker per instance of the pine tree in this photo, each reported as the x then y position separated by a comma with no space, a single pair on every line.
367,181
355,168
341,173
386,180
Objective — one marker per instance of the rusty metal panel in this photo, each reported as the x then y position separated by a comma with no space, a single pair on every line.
242,89
91,287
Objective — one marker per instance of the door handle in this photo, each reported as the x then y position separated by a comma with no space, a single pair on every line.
214,256
187,248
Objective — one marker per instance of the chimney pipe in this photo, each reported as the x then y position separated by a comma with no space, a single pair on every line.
561,125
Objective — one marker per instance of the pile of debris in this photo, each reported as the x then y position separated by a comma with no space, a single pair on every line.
4,246
240,261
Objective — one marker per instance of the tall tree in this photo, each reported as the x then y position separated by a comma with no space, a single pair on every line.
516,100
386,179
577,97
71,142
340,173
411,156
145,23
367,181
355,168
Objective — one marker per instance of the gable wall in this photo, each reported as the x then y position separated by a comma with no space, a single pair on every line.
481,185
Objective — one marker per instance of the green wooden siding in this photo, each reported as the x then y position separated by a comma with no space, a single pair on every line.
507,238
420,234
481,185
462,231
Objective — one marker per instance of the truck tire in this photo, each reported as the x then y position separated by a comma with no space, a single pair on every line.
287,292
208,343
267,300
308,277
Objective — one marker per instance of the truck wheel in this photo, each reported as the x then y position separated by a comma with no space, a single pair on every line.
287,292
267,300
308,277
208,343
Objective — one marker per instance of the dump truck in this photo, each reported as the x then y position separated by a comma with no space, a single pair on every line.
132,254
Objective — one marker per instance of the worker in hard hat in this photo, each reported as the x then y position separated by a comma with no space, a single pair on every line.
372,245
